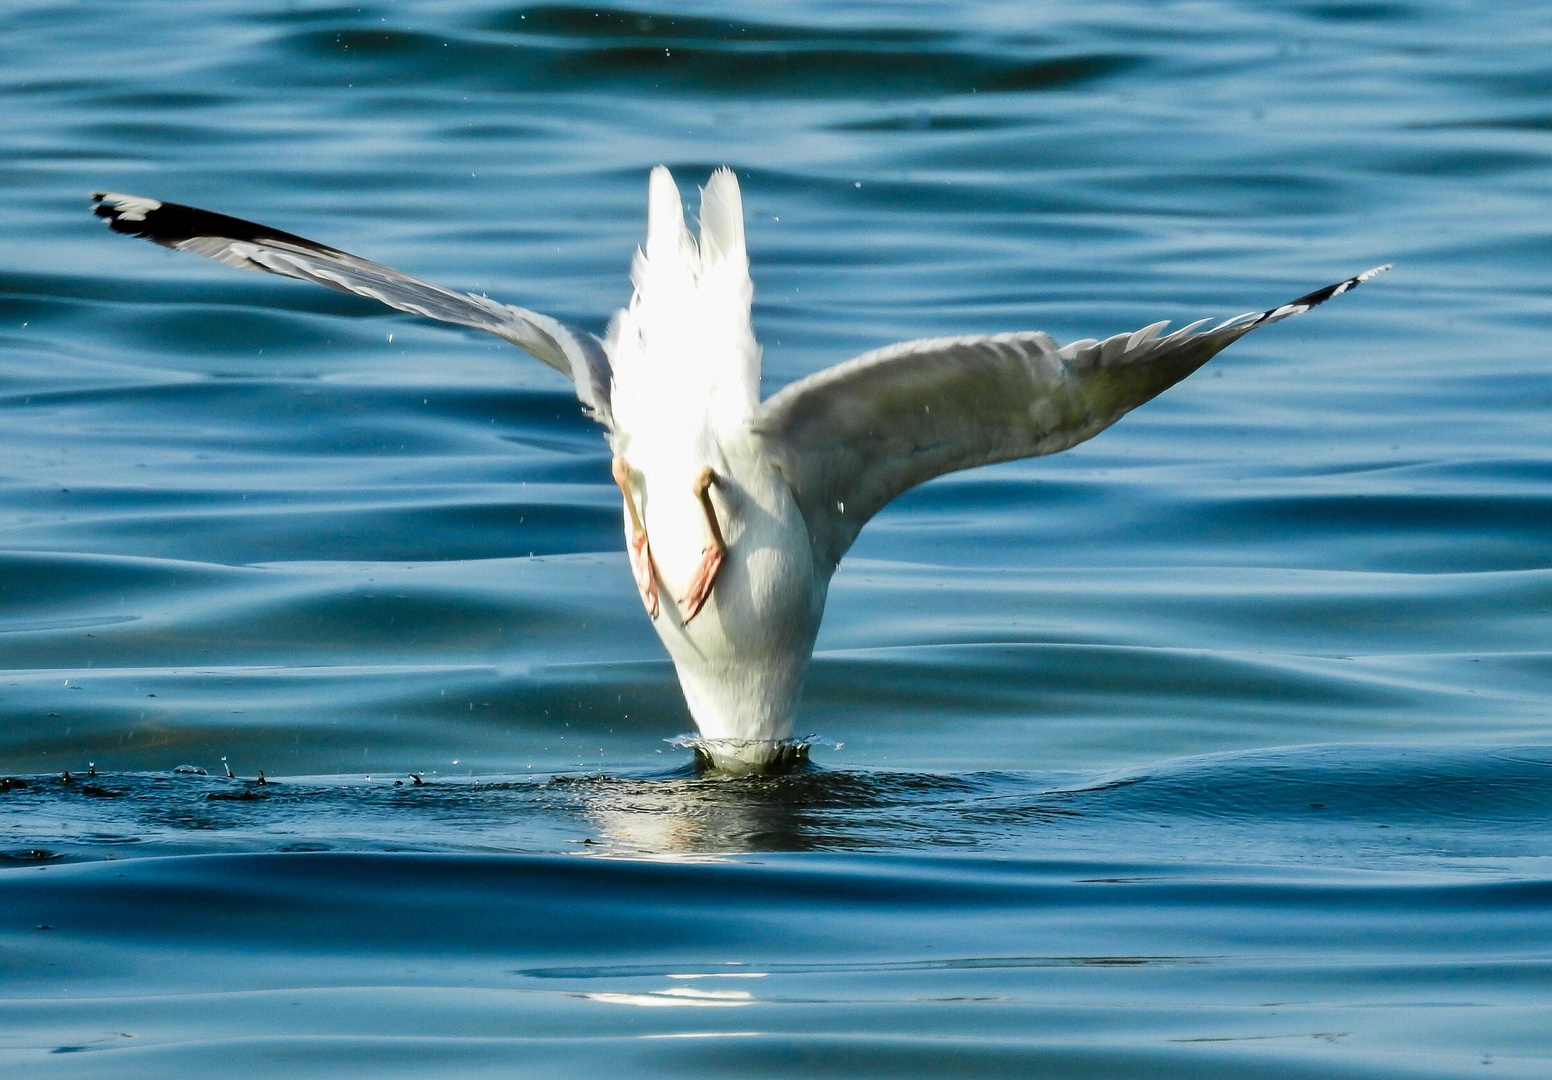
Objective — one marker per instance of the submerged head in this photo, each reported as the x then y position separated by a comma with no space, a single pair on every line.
733,757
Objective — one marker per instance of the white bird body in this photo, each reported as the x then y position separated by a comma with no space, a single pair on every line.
737,511
741,661
686,388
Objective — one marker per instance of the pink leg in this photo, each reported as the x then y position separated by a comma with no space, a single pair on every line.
642,568
699,589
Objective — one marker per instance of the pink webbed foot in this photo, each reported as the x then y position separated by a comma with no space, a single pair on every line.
705,576
699,590
639,549
644,572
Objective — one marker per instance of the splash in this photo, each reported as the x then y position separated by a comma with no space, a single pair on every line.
739,757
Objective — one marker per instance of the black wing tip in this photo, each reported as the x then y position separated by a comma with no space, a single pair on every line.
1319,296
172,224
129,214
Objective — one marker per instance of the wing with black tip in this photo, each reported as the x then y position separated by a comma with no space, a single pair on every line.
851,438
248,246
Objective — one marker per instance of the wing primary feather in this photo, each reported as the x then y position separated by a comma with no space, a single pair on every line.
173,224
1318,297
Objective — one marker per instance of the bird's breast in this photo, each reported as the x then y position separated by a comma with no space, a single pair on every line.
676,529
763,599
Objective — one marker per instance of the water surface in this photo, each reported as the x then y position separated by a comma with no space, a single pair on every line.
1218,746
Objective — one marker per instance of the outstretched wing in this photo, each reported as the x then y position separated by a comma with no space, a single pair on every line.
574,353
851,438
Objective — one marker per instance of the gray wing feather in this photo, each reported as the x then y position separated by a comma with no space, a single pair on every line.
853,437
248,246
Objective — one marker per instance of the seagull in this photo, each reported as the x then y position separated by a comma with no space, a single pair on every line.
737,510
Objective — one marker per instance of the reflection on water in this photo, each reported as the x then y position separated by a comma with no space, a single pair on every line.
806,810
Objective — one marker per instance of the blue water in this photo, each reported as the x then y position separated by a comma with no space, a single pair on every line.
1220,746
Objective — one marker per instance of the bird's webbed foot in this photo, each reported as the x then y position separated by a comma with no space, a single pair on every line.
637,545
705,576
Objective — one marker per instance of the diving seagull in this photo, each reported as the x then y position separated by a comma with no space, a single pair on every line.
737,510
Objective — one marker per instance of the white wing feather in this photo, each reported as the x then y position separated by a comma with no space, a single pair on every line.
249,246
851,438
